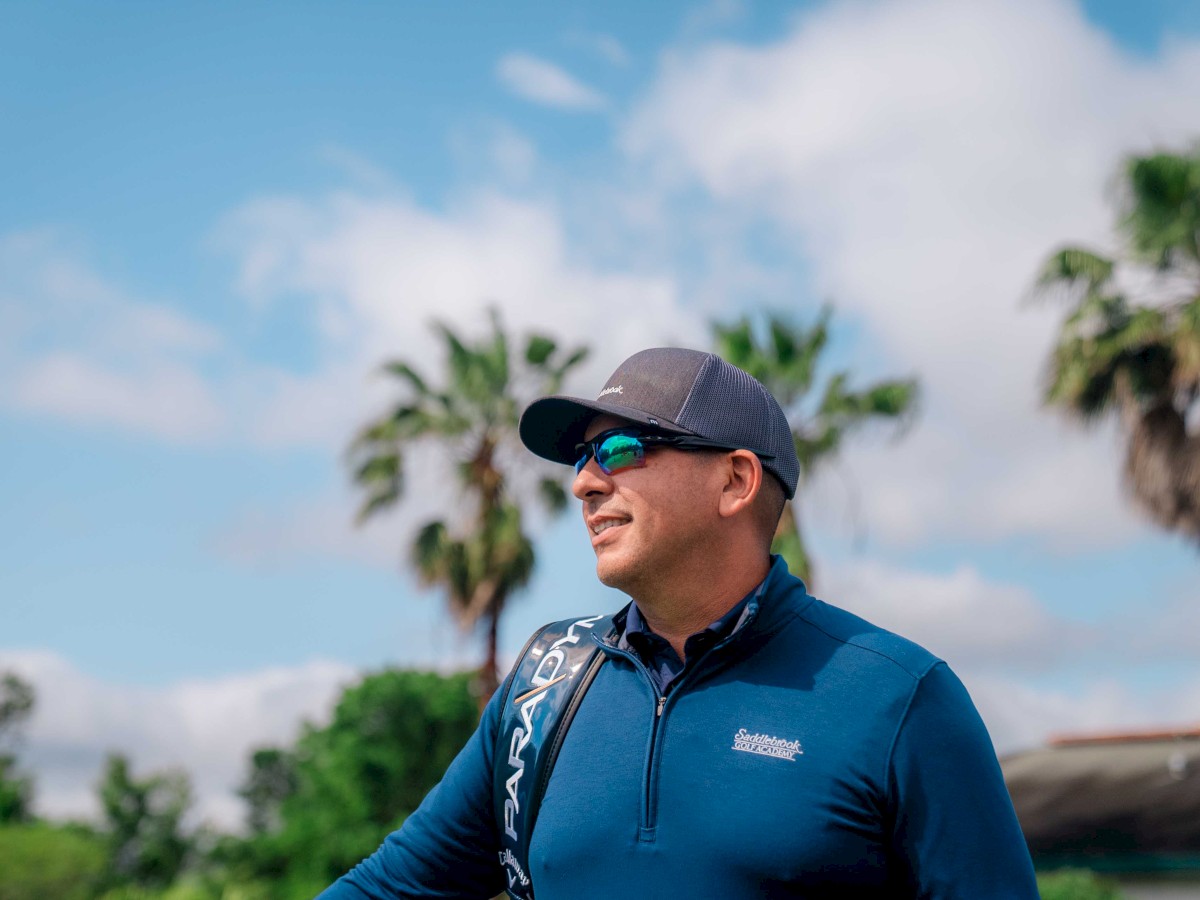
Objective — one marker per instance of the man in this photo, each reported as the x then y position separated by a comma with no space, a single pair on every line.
741,738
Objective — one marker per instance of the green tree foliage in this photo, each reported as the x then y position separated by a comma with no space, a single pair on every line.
271,781
785,357
1076,884
16,701
472,415
191,889
143,824
355,780
39,862
1137,358
16,788
16,791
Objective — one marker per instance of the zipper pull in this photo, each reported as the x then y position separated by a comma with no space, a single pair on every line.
661,702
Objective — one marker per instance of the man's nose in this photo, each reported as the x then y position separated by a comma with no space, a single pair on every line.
590,481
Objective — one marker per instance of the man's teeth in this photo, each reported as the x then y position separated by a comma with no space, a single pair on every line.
606,524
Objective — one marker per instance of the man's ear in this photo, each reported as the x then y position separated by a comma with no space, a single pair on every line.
743,480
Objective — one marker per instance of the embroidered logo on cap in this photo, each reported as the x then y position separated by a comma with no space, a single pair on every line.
611,390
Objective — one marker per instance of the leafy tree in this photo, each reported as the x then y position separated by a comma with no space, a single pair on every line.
142,824
473,415
785,359
16,701
16,789
355,780
271,781
1138,358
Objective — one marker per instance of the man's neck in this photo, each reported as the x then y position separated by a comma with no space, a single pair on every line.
676,611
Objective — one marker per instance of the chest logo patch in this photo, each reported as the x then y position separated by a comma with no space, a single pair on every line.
767,745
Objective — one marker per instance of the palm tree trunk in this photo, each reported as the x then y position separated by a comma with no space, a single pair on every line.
789,543
489,678
1163,470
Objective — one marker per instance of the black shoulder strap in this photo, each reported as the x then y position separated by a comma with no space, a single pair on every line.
548,682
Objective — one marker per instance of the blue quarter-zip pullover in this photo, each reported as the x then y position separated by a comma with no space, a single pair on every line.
807,754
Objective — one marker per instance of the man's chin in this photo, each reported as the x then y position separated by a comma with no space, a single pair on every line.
611,573
618,573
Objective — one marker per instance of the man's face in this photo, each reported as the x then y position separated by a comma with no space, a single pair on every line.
648,524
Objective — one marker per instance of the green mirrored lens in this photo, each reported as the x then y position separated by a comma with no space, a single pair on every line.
620,451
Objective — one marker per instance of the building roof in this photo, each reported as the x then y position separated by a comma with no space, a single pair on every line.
1115,794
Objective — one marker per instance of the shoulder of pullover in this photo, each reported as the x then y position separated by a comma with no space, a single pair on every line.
859,635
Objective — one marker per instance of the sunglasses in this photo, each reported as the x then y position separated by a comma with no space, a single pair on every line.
624,448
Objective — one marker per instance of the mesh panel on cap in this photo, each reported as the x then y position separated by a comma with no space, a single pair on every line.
727,404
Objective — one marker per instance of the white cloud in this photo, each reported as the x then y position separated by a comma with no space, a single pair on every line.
1020,716
927,155
204,726
543,82
163,400
966,620
80,349
946,482
382,269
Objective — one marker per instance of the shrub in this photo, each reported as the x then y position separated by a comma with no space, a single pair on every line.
1077,884
42,861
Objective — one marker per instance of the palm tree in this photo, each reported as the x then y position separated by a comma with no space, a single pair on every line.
474,416
1139,359
786,363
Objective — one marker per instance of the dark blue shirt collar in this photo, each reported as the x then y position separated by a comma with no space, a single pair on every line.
660,658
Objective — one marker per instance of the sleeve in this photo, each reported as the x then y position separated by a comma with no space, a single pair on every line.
954,830
448,847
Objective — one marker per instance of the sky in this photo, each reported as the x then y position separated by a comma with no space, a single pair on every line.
219,221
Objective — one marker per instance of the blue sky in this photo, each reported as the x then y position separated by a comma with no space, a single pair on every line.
218,221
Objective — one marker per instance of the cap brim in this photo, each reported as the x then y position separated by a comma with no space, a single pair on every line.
552,427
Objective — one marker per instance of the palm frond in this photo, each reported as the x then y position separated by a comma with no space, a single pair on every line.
1075,266
432,551
1079,382
734,342
376,501
555,373
1185,345
1161,208
552,495
538,349
407,373
381,476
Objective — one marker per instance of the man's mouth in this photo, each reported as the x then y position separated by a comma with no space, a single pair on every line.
599,526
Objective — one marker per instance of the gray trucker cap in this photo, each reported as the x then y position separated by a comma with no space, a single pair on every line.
672,390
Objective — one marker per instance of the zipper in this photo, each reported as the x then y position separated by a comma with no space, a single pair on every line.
645,817
648,818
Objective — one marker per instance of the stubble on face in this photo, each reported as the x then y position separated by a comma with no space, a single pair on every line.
650,526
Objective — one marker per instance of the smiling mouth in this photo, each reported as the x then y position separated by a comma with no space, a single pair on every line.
601,527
